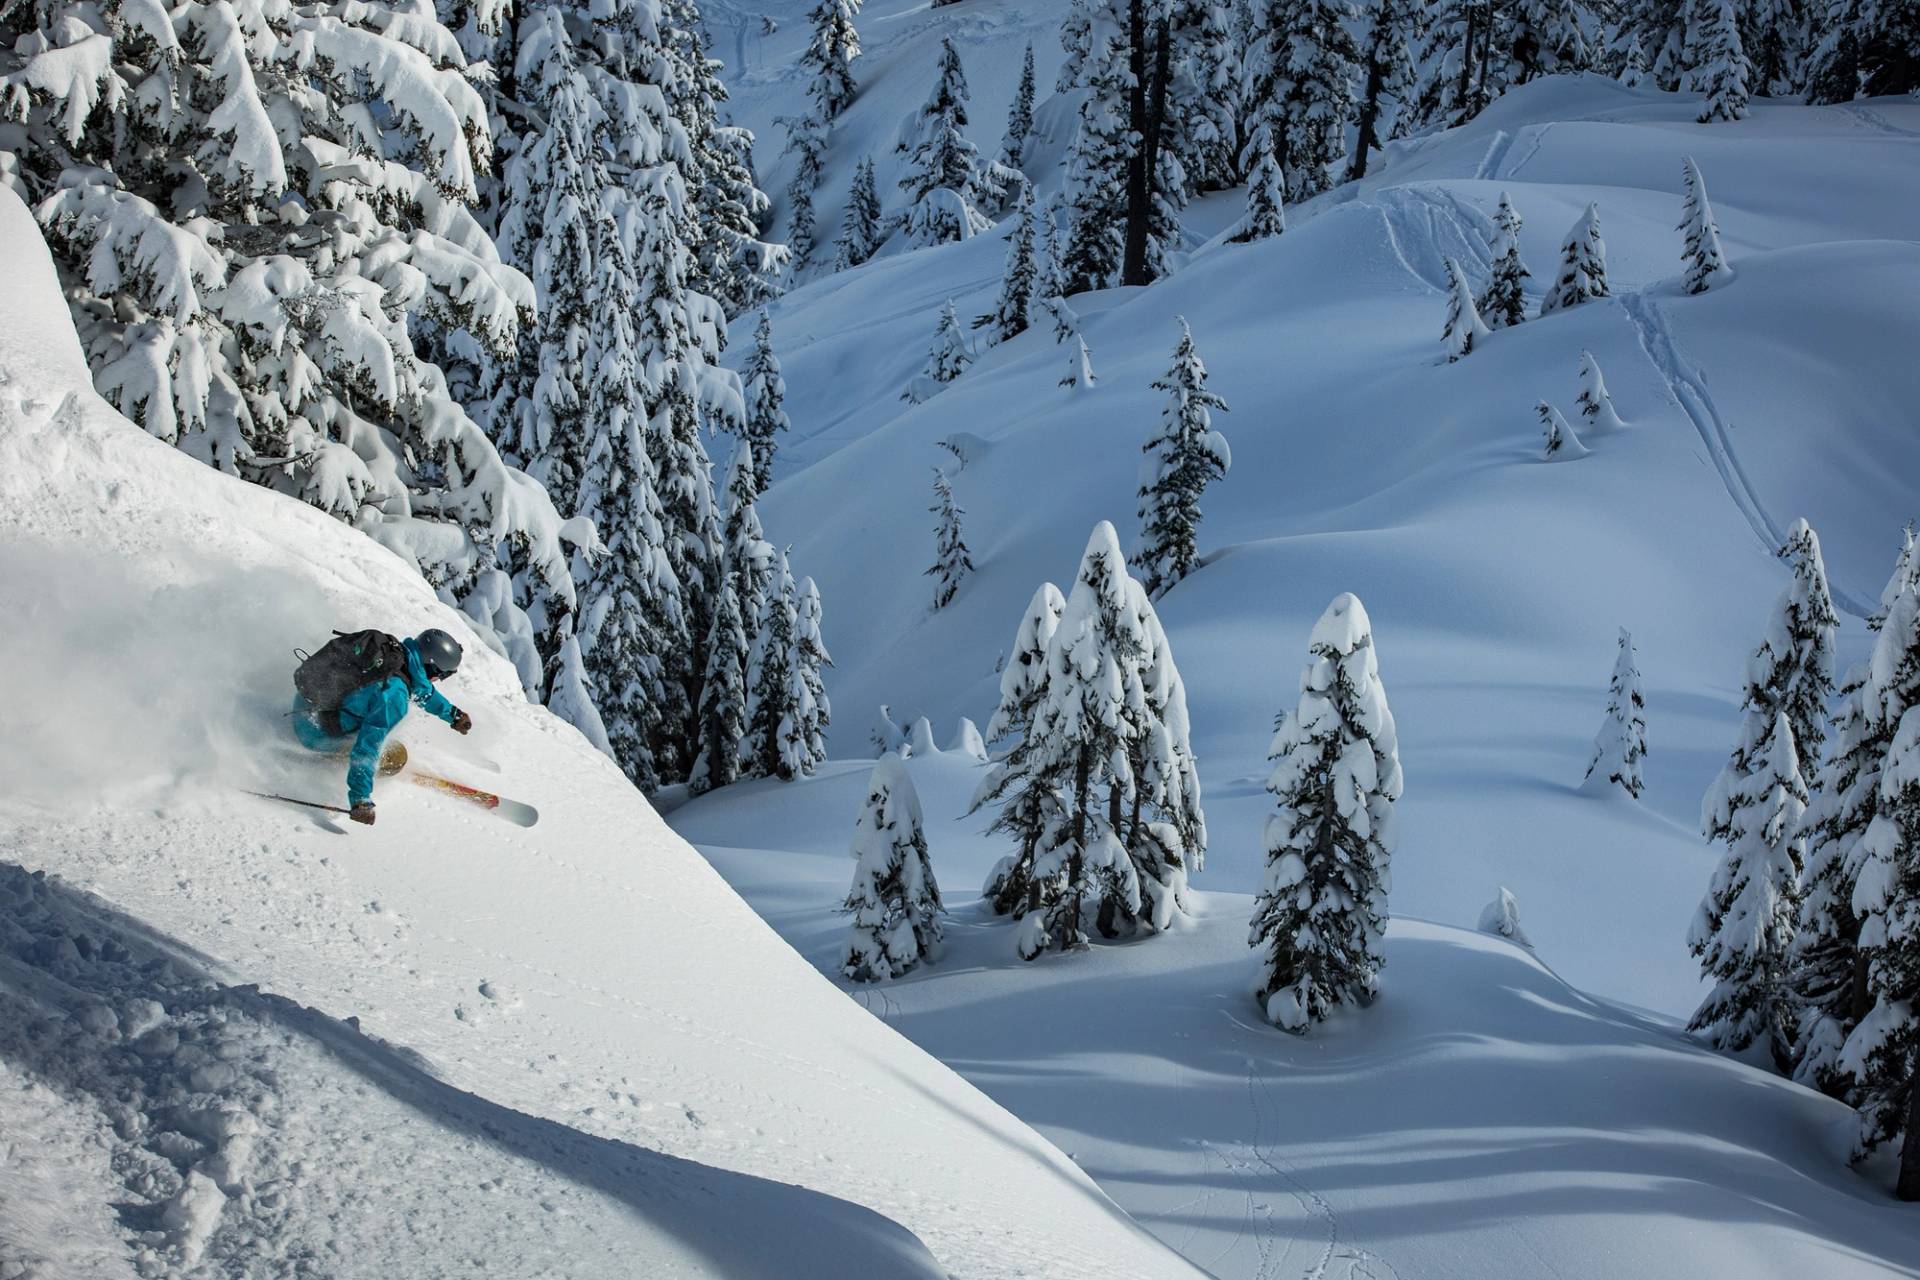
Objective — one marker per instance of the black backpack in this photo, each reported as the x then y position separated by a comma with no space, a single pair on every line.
349,661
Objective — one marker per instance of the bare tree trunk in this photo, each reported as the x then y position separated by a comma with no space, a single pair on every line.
1908,1187
1133,261
1369,135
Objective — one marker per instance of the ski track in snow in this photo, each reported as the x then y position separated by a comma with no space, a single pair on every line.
1866,117
1426,225
1687,387
1535,135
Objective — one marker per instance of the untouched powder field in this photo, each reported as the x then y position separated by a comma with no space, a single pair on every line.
238,1038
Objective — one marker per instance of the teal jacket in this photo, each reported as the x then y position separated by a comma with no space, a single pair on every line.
369,714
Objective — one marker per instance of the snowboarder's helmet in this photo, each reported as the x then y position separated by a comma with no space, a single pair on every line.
439,652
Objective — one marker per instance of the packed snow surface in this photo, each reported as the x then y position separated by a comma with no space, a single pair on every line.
241,1038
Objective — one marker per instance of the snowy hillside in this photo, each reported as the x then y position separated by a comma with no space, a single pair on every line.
1363,462
239,1038
1485,1118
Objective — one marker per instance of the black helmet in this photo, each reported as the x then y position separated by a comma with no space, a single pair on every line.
439,652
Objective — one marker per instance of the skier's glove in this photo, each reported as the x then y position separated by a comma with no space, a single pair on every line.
363,812
461,721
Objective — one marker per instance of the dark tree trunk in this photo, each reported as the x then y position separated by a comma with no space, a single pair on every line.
1146,107
1466,59
1908,1187
1369,124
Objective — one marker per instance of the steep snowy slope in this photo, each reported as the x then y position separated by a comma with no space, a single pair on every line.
275,1044
1483,1119
1363,462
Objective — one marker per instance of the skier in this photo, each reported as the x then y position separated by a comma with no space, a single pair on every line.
354,691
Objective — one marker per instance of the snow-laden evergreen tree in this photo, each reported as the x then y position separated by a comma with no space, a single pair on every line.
1596,406
1050,288
1319,920
1906,577
1266,213
895,900
1883,1053
1633,63
1501,917
1459,73
816,710
1013,146
1621,744
1503,303
1561,444
1202,115
862,228
1166,828
947,358
774,745
1829,972
262,261
723,693
1583,266
1029,813
952,562
1386,59
1300,80
1080,375
766,393
1464,330
807,138
1012,313
1717,63
1795,663
942,178
1547,37
1866,49
829,56
1706,262
1182,457
1744,926
1774,34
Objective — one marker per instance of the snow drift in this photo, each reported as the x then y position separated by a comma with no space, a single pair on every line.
241,1037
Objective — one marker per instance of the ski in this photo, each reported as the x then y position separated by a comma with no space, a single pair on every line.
514,811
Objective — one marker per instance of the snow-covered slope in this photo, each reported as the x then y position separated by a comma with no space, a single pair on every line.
274,1044
1364,463
1484,1118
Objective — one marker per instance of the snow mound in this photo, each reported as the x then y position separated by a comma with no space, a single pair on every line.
425,1047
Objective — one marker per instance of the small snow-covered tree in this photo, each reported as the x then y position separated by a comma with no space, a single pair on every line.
1503,303
1795,662
1028,815
1080,376
723,693
947,358
1501,917
1266,213
1906,577
774,746
895,899
942,178
1182,457
1465,330
816,710
862,229
952,562
1387,82
766,393
1320,917
1012,313
1013,147
1706,262
1596,406
1717,64
1562,445
1744,925
1583,265
807,138
829,56
1166,829
1621,743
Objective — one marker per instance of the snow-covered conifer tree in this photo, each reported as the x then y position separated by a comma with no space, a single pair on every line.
829,56
1795,662
1183,456
1583,265
774,745
895,900
1866,50
1013,147
1051,285
1706,262
766,393
1080,376
1596,406
1717,63
723,693
947,358
1012,313
952,562
1465,330
861,229
1562,445
1300,76
811,658
1744,926
1633,63
1906,577
1503,303
1029,812
1387,82
1166,830
1622,741
942,179
1202,114
1321,913
807,141
1547,37
1266,213
1501,917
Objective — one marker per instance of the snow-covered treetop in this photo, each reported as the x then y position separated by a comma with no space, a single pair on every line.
1025,675
892,809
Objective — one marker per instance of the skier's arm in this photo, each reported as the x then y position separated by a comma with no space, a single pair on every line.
434,703
374,728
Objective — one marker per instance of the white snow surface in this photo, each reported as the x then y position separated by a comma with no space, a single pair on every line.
240,1038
